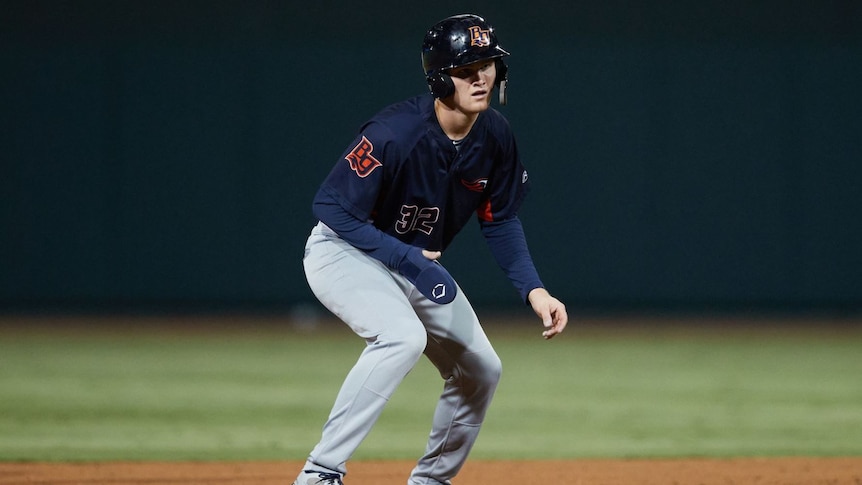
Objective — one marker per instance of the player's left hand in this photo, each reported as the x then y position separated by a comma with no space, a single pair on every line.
550,310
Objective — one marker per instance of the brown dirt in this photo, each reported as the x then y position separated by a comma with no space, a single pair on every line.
771,471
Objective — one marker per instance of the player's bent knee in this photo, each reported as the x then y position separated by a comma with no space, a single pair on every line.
410,343
493,369
484,373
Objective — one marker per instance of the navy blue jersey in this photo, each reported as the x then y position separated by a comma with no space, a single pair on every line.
405,176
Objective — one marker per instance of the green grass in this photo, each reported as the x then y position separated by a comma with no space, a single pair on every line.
138,392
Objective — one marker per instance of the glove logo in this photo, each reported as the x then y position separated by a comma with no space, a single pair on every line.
479,37
360,158
439,291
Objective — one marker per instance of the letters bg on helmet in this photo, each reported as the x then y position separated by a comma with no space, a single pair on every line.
457,41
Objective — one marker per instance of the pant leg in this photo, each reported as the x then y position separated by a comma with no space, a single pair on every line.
363,293
458,347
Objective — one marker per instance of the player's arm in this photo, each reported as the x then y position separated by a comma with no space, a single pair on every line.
416,264
360,234
509,247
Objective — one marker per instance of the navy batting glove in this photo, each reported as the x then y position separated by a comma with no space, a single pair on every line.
429,277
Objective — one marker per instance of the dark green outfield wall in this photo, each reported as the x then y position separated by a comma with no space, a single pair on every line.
163,155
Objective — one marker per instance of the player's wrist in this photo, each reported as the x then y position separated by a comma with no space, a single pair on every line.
536,293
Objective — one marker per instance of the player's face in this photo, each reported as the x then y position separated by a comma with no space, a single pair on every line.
473,85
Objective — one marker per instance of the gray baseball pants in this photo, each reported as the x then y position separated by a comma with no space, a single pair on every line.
399,324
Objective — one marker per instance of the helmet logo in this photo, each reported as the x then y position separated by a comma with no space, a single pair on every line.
360,158
479,37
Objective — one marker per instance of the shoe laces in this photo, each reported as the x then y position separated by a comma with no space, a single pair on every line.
327,478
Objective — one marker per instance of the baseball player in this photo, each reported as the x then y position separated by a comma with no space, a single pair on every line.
415,174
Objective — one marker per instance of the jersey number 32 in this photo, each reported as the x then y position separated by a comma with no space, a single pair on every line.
414,218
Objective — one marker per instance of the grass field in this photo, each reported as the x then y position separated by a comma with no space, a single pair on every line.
247,389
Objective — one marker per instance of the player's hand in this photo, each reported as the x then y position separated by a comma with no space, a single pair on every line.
432,255
550,310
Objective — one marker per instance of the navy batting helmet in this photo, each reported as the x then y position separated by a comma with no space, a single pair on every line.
457,41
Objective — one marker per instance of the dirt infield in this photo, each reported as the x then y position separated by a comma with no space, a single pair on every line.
784,471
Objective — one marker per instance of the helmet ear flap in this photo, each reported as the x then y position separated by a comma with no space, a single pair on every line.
440,84
502,80
502,72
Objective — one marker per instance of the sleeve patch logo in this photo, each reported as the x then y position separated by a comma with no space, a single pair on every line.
479,37
360,158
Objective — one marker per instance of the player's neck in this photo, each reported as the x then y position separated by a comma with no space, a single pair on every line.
456,124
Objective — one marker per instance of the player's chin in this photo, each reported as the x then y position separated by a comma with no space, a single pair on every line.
480,103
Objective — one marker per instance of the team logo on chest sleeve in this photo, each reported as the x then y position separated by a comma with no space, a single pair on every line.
477,185
360,158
